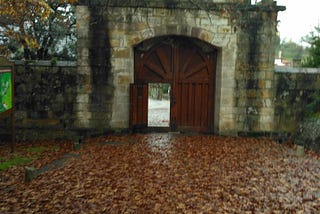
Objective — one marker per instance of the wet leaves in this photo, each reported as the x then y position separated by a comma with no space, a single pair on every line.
161,173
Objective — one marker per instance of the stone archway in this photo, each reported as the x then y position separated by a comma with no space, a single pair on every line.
189,66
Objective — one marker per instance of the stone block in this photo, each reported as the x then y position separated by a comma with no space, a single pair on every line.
269,75
115,42
116,33
267,103
227,101
207,22
142,25
119,124
224,29
206,36
82,98
195,32
20,115
84,115
172,29
261,84
268,84
30,174
300,151
266,93
220,40
121,64
133,40
84,52
123,92
228,111
192,21
161,12
147,33
76,146
82,119
241,102
153,21
83,62
267,126
226,125
252,93
82,32
267,118
121,53
261,75
228,83
124,80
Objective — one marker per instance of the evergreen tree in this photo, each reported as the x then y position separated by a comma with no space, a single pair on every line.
313,60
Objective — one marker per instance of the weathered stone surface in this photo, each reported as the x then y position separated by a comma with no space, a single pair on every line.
30,174
45,97
246,45
308,134
96,95
291,98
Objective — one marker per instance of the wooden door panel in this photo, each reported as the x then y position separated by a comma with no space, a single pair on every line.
138,105
155,65
194,77
189,66
193,111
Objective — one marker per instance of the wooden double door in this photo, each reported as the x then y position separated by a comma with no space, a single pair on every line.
188,65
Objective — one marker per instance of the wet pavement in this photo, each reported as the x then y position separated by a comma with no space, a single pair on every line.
174,173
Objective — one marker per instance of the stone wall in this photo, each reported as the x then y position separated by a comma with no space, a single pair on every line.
95,96
243,33
293,90
44,100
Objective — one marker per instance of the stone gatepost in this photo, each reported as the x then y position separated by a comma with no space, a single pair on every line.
243,33
255,65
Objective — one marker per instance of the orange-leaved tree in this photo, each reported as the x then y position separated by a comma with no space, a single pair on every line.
29,25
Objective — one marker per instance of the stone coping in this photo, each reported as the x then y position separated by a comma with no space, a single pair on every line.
46,63
266,5
286,69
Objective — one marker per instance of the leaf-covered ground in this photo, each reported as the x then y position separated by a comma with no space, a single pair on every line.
163,173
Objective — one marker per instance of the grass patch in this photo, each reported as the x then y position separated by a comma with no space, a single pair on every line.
18,160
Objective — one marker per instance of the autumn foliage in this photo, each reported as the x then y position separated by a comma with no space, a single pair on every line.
163,173
19,17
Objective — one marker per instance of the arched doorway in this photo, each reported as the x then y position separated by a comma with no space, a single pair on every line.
189,66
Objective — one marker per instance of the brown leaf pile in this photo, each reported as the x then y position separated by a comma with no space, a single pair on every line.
163,173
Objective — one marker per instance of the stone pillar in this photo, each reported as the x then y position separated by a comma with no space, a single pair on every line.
83,114
266,68
255,97
95,81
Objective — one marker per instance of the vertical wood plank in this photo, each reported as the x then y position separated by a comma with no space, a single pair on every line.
138,105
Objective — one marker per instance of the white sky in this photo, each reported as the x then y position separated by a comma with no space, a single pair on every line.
299,19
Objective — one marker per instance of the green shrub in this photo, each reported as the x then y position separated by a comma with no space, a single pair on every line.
312,110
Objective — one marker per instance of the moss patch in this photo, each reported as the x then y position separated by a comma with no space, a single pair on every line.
17,160
30,154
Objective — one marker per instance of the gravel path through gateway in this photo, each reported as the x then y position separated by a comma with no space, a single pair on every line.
158,113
